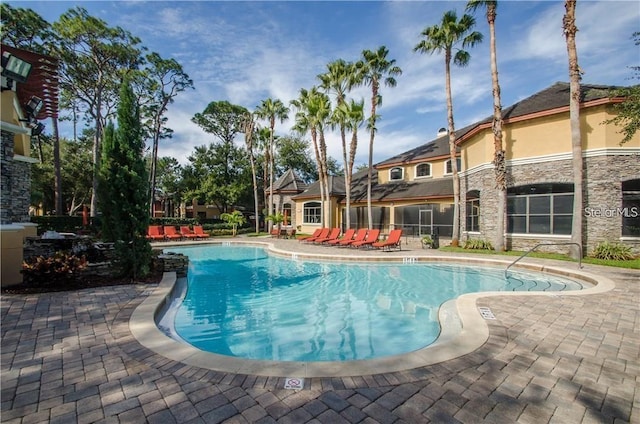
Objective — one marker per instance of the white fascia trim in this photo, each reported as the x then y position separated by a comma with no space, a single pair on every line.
13,128
540,236
20,158
621,151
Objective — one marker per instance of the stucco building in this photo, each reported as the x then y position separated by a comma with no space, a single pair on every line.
414,190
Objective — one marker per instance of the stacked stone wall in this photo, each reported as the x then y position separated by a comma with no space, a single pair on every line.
16,183
603,176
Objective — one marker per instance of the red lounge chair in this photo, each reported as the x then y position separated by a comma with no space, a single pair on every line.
186,232
334,234
392,242
360,235
324,233
171,233
197,230
154,232
348,235
372,237
315,234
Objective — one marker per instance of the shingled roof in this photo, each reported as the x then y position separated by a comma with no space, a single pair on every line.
392,191
289,182
548,100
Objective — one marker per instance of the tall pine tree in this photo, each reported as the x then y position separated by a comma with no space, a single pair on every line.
124,187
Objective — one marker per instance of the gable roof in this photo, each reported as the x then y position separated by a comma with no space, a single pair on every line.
551,100
289,182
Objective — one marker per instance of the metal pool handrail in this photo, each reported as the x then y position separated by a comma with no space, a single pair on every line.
546,244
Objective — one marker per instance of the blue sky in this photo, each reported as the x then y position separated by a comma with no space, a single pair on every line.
244,52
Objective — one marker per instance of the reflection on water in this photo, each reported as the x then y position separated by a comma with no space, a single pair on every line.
242,302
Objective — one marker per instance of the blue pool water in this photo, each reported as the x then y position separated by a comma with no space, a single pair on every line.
242,302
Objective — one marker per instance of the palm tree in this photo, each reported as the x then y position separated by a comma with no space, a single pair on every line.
499,164
351,116
340,78
234,219
440,39
314,109
374,68
249,127
570,29
271,110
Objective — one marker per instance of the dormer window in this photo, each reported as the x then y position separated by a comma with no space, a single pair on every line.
396,173
423,170
447,166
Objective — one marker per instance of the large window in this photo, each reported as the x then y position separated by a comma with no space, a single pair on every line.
396,173
423,170
540,209
447,166
312,213
631,208
473,211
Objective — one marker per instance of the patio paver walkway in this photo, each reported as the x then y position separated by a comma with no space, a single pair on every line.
70,357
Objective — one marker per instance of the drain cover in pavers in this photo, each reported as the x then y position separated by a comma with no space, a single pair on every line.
486,313
294,383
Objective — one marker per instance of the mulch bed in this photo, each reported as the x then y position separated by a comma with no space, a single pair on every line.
79,283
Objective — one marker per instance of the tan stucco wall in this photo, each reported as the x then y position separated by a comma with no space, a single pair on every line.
11,248
9,103
437,170
550,135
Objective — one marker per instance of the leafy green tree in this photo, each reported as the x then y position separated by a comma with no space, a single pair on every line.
219,174
270,110
169,174
442,39
374,69
94,59
294,153
124,187
25,29
222,119
164,79
276,219
499,164
628,111
234,219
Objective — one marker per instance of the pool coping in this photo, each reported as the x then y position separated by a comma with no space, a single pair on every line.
468,334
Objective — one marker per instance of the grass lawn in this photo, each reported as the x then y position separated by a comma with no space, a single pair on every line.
632,264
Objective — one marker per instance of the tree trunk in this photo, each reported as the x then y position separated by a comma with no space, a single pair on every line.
570,29
499,153
97,140
372,132
455,237
57,168
152,176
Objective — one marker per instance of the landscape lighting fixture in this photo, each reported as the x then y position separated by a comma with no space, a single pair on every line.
14,68
33,106
37,129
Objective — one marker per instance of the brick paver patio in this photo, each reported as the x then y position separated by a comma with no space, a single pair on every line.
70,357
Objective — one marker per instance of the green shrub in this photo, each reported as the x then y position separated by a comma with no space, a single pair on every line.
478,244
52,270
174,221
612,251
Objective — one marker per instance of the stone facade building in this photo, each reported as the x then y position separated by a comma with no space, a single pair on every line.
413,190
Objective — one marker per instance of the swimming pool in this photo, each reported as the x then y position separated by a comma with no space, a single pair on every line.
243,302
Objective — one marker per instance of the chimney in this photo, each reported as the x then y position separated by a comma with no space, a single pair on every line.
442,132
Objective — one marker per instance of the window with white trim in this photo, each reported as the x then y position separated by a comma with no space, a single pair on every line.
473,211
396,173
540,209
312,213
447,166
423,170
